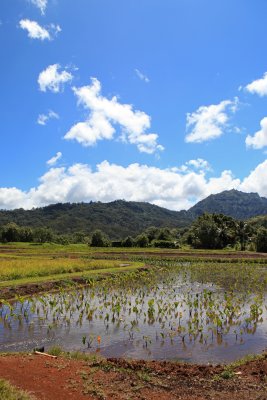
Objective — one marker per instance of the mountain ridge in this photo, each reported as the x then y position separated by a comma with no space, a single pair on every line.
234,203
121,218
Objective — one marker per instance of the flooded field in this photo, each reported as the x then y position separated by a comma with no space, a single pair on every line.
201,313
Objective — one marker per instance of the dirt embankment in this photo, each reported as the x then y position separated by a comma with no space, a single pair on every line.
31,289
186,254
62,378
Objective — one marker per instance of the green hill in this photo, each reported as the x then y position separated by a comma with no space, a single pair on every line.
118,219
121,218
233,203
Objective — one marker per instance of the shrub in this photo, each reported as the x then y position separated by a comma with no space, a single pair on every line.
99,239
261,240
164,244
141,241
128,242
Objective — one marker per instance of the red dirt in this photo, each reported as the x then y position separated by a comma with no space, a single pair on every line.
118,379
30,289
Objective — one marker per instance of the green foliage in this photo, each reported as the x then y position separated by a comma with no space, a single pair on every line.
141,240
99,239
233,203
165,244
11,233
116,243
43,235
227,374
259,221
261,240
164,234
128,242
8,392
80,237
55,351
117,219
122,220
217,231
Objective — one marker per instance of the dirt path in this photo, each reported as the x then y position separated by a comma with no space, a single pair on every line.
62,379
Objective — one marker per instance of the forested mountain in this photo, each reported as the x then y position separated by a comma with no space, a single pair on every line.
117,219
233,203
120,218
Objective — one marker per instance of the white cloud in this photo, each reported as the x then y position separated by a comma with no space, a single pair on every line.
257,180
55,28
259,140
141,76
89,132
52,79
11,198
104,113
41,4
259,86
168,188
35,31
54,159
44,118
209,122
199,165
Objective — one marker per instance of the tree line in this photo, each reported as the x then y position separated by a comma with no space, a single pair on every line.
209,231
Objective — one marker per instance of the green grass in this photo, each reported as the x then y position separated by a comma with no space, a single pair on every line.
86,274
22,263
25,267
33,248
229,369
247,359
8,392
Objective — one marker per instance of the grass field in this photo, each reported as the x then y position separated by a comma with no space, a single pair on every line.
35,248
22,263
114,274
8,392
13,269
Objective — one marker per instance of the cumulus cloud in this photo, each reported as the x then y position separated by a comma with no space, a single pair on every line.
209,122
11,198
199,164
52,79
54,159
168,188
104,113
141,76
256,181
44,118
259,86
41,4
259,140
35,31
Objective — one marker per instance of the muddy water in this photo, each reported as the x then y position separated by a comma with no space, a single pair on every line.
174,320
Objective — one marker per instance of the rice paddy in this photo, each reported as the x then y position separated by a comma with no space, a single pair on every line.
197,311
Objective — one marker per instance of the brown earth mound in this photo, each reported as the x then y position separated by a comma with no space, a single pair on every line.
62,378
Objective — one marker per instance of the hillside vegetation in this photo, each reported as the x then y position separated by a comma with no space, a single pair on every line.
119,219
232,203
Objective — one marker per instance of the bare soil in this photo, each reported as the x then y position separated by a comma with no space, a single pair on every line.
30,289
62,378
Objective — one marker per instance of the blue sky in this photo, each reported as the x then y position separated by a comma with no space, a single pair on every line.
158,101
